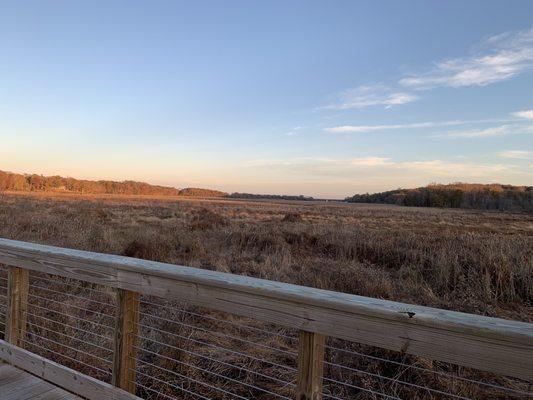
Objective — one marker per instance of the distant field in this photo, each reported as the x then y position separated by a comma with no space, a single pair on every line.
471,261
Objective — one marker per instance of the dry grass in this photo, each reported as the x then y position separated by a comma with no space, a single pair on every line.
471,261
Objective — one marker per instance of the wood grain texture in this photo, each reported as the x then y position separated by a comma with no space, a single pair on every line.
125,341
16,384
490,344
61,376
310,366
17,305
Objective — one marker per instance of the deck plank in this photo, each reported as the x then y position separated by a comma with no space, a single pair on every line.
16,384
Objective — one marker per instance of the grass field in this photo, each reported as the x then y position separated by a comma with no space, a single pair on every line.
471,261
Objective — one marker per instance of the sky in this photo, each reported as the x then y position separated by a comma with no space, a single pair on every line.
321,98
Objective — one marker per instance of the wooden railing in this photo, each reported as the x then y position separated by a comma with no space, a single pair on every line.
494,345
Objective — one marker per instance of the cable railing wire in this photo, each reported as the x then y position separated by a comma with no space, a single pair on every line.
58,282
159,393
220,348
71,305
209,317
72,316
72,295
384,395
220,362
69,347
213,373
220,334
65,356
70,337
430,371
172,385
196,381
69,326
394,380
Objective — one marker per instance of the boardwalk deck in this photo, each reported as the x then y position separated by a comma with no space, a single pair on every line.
16,384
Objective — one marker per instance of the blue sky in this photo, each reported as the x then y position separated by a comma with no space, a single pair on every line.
323,98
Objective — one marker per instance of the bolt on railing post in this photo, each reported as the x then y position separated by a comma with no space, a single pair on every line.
125,340
310,366
17,305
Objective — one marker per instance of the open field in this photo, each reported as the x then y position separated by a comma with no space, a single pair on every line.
471,261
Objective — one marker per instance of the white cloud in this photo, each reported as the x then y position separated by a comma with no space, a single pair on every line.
416,125
477,133
374,95
370,128
527,114
518,154
456,134
502,57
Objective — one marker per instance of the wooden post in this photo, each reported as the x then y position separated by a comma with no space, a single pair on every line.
310,366
17,305
126,329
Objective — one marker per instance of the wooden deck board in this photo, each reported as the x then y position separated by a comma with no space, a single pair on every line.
16,384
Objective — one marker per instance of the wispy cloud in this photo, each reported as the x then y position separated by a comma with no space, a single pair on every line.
517,154
513,129
294,131
372,95
416,125
501,57
526,114
477,133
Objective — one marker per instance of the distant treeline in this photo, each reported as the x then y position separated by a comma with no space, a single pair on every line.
456,195
39,183
269,196
198,192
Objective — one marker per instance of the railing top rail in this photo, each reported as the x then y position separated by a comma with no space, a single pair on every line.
436,333
262,287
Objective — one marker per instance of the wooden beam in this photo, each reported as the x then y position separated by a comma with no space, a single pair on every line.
17,305
61,376
485,343
310,366
125,342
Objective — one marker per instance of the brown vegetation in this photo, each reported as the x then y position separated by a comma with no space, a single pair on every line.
464,260
470,261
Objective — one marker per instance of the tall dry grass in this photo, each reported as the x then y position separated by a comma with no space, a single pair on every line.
468,261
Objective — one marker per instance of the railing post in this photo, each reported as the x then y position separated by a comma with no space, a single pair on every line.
17,305
125,341
310,366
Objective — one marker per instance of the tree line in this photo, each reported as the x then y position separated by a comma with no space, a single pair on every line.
269,196
456,195
37,183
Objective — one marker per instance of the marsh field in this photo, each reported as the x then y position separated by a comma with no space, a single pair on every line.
464,260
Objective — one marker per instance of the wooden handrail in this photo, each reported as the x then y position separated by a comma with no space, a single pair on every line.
490,344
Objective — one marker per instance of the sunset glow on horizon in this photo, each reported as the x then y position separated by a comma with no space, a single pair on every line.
324,99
